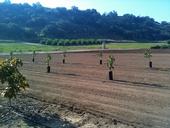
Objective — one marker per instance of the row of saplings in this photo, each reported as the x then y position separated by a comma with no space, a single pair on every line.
110,61
15,82
48,59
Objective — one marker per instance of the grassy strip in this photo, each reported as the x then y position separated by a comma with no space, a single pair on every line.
25,47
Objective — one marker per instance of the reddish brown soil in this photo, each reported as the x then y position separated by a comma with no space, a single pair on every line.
138,96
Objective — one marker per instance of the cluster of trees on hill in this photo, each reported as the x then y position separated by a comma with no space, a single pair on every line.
35,22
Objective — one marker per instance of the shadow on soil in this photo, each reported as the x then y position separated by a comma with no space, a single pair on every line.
29,115
161,69
43,121
67,74
139,83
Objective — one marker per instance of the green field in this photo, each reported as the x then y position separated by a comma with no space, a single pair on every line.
25,47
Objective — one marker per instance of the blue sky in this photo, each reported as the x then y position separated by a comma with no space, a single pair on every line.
157,9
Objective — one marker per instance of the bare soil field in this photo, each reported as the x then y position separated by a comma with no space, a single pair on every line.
138,96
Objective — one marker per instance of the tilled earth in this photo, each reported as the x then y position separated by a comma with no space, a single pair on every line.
28,112
138,96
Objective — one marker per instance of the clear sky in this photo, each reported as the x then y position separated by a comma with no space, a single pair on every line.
157,9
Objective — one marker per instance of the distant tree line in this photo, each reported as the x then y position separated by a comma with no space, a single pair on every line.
70,42
34,22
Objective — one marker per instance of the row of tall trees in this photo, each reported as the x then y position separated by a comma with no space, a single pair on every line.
70,42
35,22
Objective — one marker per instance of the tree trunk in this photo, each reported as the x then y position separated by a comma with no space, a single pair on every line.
63,61
150,64
48,69
101,62
33,59
10,103
110,75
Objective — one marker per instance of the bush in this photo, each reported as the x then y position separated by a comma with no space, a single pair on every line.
48,41
156,47
43,41
61,42
54,42
164,46
66,42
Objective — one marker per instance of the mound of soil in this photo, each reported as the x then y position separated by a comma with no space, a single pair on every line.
28,112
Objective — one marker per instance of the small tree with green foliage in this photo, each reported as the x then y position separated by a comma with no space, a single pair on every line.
10,76
110,65
33,56
48,59
148,55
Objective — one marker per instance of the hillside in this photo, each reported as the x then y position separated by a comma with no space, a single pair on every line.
34,22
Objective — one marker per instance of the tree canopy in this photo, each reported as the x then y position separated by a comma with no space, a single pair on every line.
34,22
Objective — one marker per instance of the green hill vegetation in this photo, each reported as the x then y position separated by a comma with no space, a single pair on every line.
35,23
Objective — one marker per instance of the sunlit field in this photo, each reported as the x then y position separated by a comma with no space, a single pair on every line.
136,93
84,64
28,47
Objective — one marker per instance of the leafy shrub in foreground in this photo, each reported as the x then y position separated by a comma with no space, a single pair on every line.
10,74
